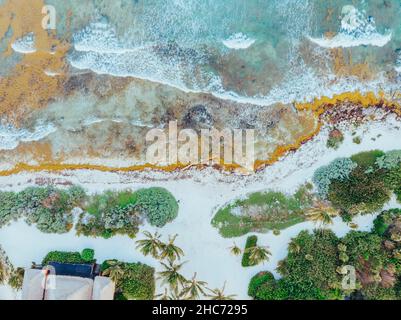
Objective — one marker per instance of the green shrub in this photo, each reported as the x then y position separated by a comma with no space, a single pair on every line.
137,282
310,267
357,140
158,205
16,278
339,170
110,213
362,192
250,243
47,207
63,257
367,159
390,160
335,139
88,255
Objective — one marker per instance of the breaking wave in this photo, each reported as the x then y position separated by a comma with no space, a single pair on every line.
11,137
356,30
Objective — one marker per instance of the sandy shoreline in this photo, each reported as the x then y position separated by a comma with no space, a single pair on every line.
200,193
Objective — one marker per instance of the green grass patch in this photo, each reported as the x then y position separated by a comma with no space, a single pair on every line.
261,212
367,159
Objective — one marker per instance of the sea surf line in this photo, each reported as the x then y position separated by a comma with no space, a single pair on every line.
318,106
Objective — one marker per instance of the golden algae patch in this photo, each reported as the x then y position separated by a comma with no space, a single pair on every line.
31,84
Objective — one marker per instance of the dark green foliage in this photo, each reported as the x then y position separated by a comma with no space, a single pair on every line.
112,213
363,192
311,267
63,257
137,283
158,205
47,207
88,255
250,243
367,159
263,286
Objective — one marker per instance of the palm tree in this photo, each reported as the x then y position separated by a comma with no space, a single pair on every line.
294,247
170,250
115,270
163,296
151,245
16,279
321,213
258,254
194,288
218,294
172,295
171,274
235,250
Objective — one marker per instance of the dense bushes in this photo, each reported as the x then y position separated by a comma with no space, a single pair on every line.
158,205
69,257
362,183
250,243
313,267
114,213
47,207
110,213
135,282
339,170
106,214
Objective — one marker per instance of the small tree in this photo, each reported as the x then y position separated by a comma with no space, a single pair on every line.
235,250
194,288
258,254
151,245
171,275
170,250
218,294
114,270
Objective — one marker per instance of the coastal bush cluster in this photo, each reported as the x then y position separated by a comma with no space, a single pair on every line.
262,211
48,208
112,213
87,256
105,214
134,281
314,266
361,184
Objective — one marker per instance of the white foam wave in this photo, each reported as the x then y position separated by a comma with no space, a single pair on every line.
25,45
356,30
11,137
239,41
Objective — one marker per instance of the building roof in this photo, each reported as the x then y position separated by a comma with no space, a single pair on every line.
103,289
69,288
32,287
